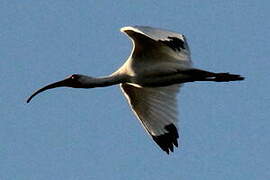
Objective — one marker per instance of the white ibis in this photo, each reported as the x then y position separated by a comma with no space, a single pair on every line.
150,79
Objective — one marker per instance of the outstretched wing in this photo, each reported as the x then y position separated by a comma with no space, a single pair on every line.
156,108
166,45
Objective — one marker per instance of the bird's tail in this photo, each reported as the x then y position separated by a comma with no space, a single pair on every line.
201,75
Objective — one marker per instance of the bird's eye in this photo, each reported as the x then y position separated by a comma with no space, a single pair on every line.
73,77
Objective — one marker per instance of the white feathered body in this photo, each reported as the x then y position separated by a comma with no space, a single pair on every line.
152,61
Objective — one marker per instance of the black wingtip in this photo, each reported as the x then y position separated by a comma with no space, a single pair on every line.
174,43
168,140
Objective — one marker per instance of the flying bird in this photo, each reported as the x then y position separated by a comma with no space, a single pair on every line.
160,62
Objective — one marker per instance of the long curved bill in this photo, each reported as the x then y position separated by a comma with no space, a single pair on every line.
62,83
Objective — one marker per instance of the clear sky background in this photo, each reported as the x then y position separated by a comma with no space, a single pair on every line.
73,134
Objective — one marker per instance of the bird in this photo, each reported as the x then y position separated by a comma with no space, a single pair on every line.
159,64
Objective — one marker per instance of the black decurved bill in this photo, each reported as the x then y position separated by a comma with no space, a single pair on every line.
62,83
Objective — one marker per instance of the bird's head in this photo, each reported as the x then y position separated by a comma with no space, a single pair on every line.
74,81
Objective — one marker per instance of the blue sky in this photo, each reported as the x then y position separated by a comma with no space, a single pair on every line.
67,134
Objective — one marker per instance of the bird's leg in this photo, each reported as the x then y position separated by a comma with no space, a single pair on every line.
201,75
184,76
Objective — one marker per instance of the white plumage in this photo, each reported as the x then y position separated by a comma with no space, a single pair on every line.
155,107
150,80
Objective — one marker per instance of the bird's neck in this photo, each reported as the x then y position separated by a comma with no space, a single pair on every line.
105,81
